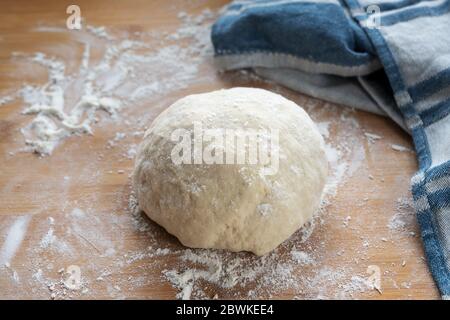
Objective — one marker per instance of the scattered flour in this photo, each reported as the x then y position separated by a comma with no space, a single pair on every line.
6,99
14,238
403,217
371,137
48,239
400,148
99,32
129,71
302,257
52,121
346,221
131,152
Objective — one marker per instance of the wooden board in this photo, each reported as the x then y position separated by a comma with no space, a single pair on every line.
81,187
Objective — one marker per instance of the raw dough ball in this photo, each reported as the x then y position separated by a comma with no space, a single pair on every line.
238,207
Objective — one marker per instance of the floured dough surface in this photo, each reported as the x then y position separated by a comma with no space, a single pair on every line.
238,206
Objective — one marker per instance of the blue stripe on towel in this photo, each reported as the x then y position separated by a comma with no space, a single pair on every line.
436,113
432,85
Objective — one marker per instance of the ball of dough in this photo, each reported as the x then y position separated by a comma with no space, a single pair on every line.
191,176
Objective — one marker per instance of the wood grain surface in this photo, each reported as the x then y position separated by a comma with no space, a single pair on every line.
84,173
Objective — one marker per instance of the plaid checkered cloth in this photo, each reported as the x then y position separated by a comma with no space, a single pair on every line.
387,57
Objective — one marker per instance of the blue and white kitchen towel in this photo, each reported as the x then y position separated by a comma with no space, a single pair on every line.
388,57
